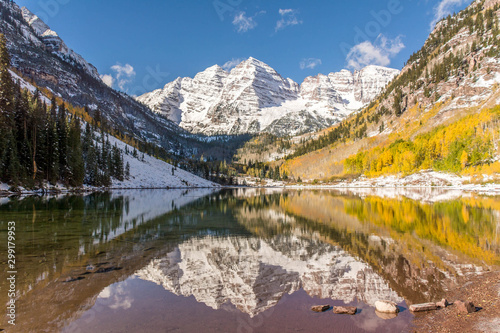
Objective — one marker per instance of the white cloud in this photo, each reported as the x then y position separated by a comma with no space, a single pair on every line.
231,63
124,74
378,53
444,8
244,23
310,63
108,79
288,18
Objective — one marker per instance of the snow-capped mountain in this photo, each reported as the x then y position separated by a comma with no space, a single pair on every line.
55,44
254,98
253,274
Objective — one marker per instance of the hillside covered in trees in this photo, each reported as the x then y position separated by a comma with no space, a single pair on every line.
440,113
43,143
47,143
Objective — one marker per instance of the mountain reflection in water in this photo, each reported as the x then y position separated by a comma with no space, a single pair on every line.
253,274
241,250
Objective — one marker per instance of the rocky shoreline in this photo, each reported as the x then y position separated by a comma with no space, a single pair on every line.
483,291
476,308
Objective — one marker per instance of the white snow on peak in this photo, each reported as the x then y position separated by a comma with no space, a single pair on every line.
37,24
253,97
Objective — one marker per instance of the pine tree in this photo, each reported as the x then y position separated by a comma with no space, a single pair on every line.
7,91
76,165
52,168
11,172
62,135
398,97
38,136
91,167
6,102
127,170
117,164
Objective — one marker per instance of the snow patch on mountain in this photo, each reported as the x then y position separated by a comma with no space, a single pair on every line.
149,172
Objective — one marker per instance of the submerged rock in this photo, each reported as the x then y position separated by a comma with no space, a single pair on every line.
386,307
351,310
320,308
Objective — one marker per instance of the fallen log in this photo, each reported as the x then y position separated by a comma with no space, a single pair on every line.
423,307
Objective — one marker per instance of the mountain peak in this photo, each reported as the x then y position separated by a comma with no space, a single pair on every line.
215,69
54,43
254,98
37,24
254,62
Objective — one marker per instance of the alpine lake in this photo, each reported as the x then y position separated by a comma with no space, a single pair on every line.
240,260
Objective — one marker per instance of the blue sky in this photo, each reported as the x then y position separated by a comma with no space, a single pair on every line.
141,45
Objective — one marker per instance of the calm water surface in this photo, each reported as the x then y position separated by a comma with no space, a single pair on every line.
240,260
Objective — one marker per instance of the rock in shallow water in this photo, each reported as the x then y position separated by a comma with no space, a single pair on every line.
320,308
386,307
351,310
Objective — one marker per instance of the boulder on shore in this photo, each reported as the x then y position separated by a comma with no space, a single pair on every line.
465,307
386,307
443,303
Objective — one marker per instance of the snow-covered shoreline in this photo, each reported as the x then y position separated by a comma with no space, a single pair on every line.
422,180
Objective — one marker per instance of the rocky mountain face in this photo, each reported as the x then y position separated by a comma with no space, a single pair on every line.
254,98
39,54
253,274
456,69
53,43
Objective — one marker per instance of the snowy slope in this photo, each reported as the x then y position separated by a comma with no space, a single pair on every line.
154,173
254,98
147,173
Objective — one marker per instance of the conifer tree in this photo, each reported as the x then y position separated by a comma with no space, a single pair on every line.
127,170
76,165
11,172
6,100
52,170
62,136
7,91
